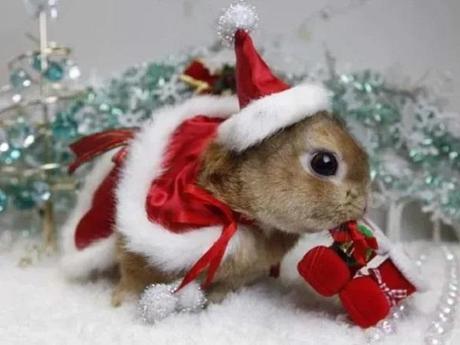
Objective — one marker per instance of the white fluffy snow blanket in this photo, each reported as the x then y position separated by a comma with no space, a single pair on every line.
38,306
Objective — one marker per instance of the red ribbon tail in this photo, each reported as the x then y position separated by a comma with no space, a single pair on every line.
93,145
211,258
227,234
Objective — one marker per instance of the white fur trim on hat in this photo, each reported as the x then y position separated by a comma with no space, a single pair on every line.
163,248
266,116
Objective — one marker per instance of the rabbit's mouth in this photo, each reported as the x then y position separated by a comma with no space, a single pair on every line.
320,217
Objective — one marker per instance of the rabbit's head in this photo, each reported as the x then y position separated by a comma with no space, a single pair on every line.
307,177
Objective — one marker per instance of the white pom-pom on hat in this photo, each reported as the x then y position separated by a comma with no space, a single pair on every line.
238,16
267,103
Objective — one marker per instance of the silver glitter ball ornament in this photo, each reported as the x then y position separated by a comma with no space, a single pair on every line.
239,16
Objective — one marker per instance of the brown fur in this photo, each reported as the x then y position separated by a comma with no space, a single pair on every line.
269,184
135,274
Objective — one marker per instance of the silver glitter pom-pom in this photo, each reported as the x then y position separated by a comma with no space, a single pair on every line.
240,15
191,298
157,302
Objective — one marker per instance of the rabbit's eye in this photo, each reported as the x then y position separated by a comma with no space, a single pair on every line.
324,163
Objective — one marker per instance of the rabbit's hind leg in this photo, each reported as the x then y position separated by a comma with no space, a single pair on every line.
135,275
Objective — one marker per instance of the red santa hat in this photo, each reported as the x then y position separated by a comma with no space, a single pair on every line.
267,103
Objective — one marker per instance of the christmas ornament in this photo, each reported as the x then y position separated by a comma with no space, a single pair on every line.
368,298
442,323
3,201
401,130
35,133
20,79
203,80
440,328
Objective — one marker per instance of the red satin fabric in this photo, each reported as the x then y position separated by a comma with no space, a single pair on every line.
348,232
177,203
198,71
169,202
98,222
93,145
254,79
174,200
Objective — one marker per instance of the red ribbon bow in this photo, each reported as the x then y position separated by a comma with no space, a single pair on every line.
174,199
213,256
177,202
349,232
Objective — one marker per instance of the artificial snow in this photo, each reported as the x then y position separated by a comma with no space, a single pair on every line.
38,306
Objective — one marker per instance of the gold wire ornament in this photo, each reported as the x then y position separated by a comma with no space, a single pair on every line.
39,110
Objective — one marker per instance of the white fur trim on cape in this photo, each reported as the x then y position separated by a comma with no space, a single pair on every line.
401,260
163,248
266,116
408,268
100,255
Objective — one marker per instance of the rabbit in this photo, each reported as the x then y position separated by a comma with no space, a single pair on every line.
284,186
308,177
271,165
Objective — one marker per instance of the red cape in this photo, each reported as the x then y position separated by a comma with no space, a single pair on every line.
174,200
